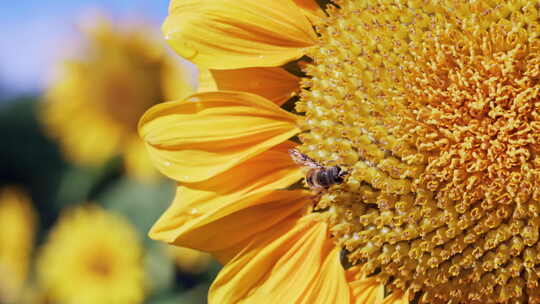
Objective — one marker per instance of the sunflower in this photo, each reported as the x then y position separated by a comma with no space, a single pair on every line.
17,223
91,256
189,260
93,106
431,107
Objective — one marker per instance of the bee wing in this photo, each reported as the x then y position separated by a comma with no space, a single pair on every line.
303,159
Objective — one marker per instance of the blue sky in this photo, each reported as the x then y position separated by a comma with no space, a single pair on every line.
35,34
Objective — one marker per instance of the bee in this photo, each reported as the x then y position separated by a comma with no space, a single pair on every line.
318,177
344,258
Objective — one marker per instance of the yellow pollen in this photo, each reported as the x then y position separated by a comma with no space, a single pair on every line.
434,106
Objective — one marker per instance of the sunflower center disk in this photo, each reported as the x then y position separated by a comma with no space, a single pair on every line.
435,109
124,98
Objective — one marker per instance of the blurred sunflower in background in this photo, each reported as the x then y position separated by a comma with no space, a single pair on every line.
64,146
92,256
93,106
189,260
431,107
17,229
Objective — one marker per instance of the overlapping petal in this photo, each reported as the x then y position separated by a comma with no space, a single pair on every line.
397,298
331,286
311,9
293,262
212,215
223,34
222,229
210,132
207,83
273,83
364,290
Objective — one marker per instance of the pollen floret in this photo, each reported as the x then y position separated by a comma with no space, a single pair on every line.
433,106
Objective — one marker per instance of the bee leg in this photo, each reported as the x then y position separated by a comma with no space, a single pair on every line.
316,197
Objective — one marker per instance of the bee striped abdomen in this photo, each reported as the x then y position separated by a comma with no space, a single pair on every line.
324,177
313,180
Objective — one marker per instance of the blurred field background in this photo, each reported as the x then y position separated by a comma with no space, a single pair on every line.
77,197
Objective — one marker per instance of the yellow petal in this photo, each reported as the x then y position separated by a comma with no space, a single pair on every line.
206,81
233,222
293,262
397,298
272,83
224,34
311,9
366,291
200,214
211,132
331,287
